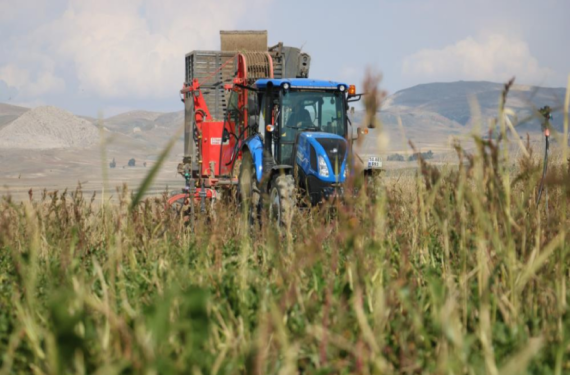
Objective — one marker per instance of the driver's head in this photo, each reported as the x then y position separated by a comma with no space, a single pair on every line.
298,107
299,114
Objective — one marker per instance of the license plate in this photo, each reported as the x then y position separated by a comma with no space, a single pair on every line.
374,162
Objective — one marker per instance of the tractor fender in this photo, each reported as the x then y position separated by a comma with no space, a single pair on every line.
254,146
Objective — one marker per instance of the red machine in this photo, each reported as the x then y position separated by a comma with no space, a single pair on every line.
217,105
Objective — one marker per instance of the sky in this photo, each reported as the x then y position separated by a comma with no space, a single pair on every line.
107,57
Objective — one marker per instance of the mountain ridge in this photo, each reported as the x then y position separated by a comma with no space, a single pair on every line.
453,100
428,111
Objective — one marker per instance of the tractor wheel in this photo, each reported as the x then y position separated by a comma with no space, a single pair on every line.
248,191
282,201
179,207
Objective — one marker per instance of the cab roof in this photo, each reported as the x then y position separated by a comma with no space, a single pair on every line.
299,83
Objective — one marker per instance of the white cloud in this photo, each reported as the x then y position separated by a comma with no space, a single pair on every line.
117,49
492,57
11,11
32,85
7,92
14,75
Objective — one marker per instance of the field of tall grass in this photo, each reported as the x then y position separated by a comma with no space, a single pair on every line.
445,271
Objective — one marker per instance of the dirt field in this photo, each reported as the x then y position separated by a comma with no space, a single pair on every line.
22,170
64,168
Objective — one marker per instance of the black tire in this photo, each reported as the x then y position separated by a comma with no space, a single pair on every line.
180,210
176,208
282,201
248,191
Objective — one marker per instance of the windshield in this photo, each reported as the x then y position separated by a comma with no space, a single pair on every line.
313,110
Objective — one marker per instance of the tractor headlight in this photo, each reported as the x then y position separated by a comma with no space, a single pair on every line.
323,168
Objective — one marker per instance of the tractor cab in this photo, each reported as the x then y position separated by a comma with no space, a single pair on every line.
304,130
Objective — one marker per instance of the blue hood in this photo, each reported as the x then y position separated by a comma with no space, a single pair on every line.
316,140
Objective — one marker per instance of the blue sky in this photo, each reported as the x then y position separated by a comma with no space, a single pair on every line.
112,56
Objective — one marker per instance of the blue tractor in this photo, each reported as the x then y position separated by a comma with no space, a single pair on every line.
298,143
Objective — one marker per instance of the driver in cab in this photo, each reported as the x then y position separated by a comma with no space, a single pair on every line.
300,117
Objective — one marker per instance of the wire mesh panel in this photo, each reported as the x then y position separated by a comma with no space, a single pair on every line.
214,69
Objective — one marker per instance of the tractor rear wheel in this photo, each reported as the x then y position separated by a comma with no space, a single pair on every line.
282,201
179,207
248,191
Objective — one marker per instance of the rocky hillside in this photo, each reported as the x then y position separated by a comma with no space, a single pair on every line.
9,113
142,121
432,113
132,122
48,128
451,101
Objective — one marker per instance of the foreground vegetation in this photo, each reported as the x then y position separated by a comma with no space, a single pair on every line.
453,271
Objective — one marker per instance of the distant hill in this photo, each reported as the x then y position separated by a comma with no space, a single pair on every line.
452,102
172,120
133,121
9,113
45,128
431,113
155,128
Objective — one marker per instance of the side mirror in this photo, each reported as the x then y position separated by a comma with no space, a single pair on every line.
360,132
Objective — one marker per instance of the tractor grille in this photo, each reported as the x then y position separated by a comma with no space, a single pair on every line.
335,149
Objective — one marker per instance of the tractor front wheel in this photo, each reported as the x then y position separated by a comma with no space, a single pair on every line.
282,201
248,191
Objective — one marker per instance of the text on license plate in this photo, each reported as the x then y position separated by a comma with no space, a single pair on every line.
374,162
